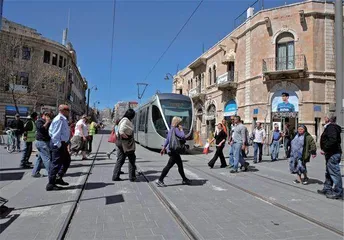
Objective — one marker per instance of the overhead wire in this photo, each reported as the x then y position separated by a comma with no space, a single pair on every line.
112,45
173,40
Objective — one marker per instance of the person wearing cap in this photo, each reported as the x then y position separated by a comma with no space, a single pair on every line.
276,137
285,106
60,159
29,137
42,144
330,144
18,126
302,148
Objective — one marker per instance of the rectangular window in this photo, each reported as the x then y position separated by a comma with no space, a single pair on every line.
26,53
64,62
46,57
54,61
23,79
60,61
16,52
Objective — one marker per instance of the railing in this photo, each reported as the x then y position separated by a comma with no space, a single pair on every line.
228,77
283,64
195,91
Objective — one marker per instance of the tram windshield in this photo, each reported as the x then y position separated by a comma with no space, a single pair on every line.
178,108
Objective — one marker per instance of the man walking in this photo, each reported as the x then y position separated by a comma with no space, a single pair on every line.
230,138
91,132
18,125
42,144
287,136
259,137
330,144
238,144
275,143
29,137
60,161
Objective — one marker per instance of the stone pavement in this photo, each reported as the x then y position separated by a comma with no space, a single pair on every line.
212,208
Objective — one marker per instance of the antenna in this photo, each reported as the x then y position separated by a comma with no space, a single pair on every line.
65,32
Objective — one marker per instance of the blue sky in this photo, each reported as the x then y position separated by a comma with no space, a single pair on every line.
143,30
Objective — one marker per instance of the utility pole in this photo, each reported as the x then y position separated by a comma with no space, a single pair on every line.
88,100
339,65
1,7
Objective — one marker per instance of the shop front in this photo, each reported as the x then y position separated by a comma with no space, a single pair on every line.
10,112
230,110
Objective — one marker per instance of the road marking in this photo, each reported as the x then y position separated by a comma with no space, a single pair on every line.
216,188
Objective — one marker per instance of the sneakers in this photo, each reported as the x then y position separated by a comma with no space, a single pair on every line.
234,171
324,192
60,181
246,166
334,196
187,182
160,183
305,181
211,166
52,187
116,179
36,175
296,181
223,166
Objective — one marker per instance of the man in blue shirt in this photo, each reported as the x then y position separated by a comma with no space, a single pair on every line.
285,106
60,133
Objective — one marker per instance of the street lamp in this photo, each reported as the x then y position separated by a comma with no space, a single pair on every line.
88,96
168,75
94,104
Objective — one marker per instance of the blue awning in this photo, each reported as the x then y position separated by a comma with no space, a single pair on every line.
230,108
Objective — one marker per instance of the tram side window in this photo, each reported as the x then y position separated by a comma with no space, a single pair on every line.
158,121
141,121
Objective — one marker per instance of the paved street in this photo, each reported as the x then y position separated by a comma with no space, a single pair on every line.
260,204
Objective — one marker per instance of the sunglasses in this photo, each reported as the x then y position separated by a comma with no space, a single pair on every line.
66,109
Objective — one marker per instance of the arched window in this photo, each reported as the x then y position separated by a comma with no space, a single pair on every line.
210,76
285,51
214,72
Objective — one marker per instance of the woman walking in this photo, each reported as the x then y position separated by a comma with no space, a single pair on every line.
220,139
177,129
126,146
302,148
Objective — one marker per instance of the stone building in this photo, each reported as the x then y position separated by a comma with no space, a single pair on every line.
37,73
285,49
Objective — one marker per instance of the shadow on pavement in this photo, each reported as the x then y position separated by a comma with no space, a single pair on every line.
76,174
314,181
11,169
114,199
195,182
13,176
150,172
89,186
11,219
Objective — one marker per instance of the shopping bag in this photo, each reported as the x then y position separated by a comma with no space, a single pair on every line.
112,138
206,148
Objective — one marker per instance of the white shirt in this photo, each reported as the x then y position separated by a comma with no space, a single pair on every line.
259,135
84,128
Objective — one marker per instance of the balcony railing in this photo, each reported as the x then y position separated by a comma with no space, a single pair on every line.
195,92
284,64
227,79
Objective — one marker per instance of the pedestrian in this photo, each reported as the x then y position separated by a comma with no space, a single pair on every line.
79,140
330,144
230,138
29,137
18,126
276,137
115,130
224,126
238,145
91,132
220,140
287,136
177,129
60,159
42,144
302,148
259,137
247,135
126,147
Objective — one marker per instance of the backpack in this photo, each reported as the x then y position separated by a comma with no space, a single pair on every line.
176,145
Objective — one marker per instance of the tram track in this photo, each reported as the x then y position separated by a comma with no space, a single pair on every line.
64,230
269,201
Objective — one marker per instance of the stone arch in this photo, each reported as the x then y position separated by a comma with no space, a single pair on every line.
283,30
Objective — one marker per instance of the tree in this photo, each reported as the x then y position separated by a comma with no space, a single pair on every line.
23,74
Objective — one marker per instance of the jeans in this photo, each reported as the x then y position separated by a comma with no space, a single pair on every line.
231,158
333,178
16,141
258,146
274,148
237,155
287,147
174,158
121,156
218,154
26,154
60,161
44,156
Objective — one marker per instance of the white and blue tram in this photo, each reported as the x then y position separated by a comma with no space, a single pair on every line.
153,119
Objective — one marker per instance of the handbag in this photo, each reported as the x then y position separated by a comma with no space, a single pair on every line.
177,145
206,148
112,138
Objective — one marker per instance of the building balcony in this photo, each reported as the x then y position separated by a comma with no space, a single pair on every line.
227,80
284,67
196,92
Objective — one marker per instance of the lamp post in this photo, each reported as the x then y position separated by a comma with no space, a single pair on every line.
88,97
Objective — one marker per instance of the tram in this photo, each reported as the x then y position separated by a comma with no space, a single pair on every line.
153,119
